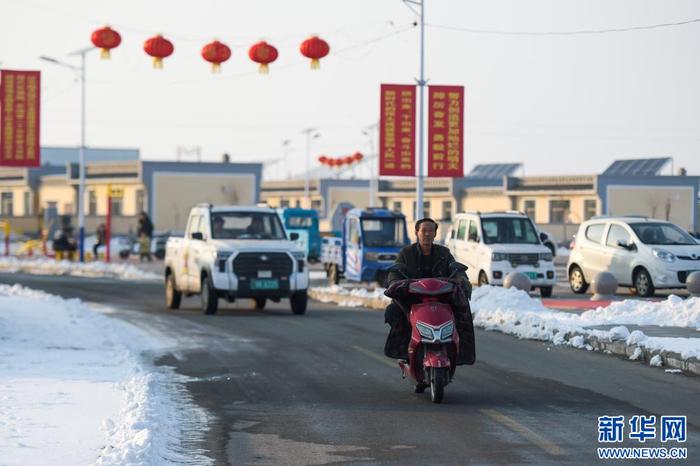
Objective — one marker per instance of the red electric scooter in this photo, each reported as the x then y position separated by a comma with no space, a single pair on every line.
434,346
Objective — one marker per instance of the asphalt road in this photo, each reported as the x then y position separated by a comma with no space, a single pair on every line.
316,389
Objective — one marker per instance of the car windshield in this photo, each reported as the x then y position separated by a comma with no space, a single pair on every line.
246,225
508,230
383,232
661,233
299,222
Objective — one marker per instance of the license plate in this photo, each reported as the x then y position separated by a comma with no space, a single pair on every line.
531,275
261,284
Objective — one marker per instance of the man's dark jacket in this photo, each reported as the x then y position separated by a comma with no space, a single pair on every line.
410,257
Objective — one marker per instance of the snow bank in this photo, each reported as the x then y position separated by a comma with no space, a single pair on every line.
74,389
80,269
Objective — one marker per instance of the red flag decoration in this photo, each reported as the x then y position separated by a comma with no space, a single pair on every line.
19,121
397,130
446,131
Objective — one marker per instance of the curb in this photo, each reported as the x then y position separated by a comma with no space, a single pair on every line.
615,347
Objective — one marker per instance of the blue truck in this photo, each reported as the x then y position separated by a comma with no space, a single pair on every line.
304,222
368,245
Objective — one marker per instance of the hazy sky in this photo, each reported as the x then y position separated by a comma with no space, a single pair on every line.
561,104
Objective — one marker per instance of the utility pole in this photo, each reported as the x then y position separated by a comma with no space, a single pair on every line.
311,133
371,163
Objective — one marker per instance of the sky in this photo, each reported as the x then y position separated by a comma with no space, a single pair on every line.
558,103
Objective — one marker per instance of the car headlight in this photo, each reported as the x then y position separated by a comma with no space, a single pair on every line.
371,256
446,331
498,256
425,331
663,255
545,256
222,255
299,254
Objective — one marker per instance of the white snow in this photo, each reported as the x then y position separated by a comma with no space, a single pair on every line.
44,266
74,389
656,361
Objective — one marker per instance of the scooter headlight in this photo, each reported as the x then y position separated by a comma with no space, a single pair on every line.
425,331
447,331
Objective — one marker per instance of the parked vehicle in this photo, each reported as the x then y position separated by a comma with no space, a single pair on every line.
235,252
493,244
642,253
304,222
369,244
547,240
434,347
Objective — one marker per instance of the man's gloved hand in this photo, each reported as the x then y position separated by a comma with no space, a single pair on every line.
398,289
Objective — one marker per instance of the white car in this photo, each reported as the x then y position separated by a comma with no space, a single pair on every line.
494,244
646,254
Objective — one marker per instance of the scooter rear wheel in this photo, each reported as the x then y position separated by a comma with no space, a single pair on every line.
438,380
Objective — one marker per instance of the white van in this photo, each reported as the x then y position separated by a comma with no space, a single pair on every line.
496,243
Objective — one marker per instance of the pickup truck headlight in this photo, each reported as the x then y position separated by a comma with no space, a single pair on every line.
498,256
300,257
221,257
545,256
663,255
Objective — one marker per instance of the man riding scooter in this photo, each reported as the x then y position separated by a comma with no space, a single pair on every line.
424,259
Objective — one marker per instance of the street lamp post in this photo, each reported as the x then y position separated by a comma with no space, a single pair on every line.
311,133
81,151
371,156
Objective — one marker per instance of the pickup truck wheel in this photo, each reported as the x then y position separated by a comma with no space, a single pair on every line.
210,301
260,303
299,301
333,278
172,296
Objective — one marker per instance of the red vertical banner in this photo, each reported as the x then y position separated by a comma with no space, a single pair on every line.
397,130
446,131
19,118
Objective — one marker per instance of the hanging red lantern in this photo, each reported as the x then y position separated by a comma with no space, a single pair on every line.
349,160
323,159
314,48
158,47
216,53
264,54
357,156
332,162
106,39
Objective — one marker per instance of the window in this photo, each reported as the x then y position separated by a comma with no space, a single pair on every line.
447,210
316,205
140,200
28,210
117,205
246,225
509,230
297,204
92,202
529,208
284,203
426,209
397,206
616,233
473,232
299,222
595,232
662,233
589,209
462,230
353,232
383,232
6,205
558,211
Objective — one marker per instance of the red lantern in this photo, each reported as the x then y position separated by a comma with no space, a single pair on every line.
158,47
349,160
357,156
323,159
314,48
106,39
264,54
332,162
216,53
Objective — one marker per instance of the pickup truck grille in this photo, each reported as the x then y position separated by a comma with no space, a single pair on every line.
523,259
247,264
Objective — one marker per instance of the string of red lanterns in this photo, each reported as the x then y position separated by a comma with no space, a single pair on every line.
340,161
214,52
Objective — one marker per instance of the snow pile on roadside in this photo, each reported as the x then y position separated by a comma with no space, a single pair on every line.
86,269
73,389
514,312
353,297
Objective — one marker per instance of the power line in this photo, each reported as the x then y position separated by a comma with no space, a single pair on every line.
561,33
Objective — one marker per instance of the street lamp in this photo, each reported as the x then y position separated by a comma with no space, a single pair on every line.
81,152
373,182
311,133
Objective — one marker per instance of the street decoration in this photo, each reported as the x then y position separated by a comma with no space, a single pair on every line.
263,54
314,48
106,39
397,130
158,47
216,53
446,131
20,97
340,161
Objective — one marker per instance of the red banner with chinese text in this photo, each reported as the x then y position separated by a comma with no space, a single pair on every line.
397,130
19,118
446,131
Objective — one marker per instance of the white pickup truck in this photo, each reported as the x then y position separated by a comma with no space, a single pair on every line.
235,252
